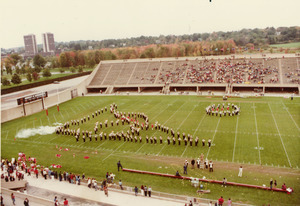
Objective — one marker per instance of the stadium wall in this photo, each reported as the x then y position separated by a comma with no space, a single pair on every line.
37,106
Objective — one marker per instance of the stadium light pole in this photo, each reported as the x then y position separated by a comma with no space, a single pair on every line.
57,105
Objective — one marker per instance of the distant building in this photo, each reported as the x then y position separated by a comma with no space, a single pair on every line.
30,45
48,43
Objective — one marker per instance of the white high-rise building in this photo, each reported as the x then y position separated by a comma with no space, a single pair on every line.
48,42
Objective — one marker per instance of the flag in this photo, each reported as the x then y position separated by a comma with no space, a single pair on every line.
86,157
58,155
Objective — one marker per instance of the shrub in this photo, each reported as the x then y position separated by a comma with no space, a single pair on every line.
5,81
16,79
46,73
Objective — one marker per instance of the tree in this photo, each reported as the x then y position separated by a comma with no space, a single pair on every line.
63,60
14,59
62,70
8,68
72,69
16,79
39,61
35,76
46,73
37,69
80,69
18,71
29,77
5,81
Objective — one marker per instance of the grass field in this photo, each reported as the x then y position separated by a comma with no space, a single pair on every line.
53,76
288,45
264,138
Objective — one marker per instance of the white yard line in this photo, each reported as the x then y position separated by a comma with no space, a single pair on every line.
163,110
38,138
237,123
161,150
291,117
53,138
73,110
104,141
49,120
193,135
113,151
169,119
186,117
213,138
82,107
54,117
61,115
258,147
140,147
280,136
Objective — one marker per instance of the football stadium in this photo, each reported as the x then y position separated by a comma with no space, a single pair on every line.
191,128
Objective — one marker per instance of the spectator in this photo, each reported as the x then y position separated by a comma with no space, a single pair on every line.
149,191
193,163
136,191
145,190
120,184
271,183
283,187
142,190
66,202
26,202
221,201
229,202
119,165
177,174
13,198
224,182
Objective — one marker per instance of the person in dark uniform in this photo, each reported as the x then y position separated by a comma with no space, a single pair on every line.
160,140
168,139
77,138
155,140
209,142
185,141
151,140
196,141
96,138
179,141
140,139
83,137
147,139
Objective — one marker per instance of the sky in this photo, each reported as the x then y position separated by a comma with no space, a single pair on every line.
71,20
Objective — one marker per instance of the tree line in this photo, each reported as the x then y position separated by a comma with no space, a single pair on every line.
258,37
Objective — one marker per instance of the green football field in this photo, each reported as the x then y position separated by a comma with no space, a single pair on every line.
264,138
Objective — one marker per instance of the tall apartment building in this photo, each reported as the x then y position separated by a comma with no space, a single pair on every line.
48,43
30,45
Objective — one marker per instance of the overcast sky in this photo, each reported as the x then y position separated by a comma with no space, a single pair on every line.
105,19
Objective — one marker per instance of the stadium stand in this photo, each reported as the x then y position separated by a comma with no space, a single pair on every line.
229,75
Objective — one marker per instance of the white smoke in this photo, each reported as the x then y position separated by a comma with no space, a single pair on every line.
42,130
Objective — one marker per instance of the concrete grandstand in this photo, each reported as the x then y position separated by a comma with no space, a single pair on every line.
222,74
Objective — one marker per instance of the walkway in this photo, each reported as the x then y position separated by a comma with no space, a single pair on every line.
91,197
